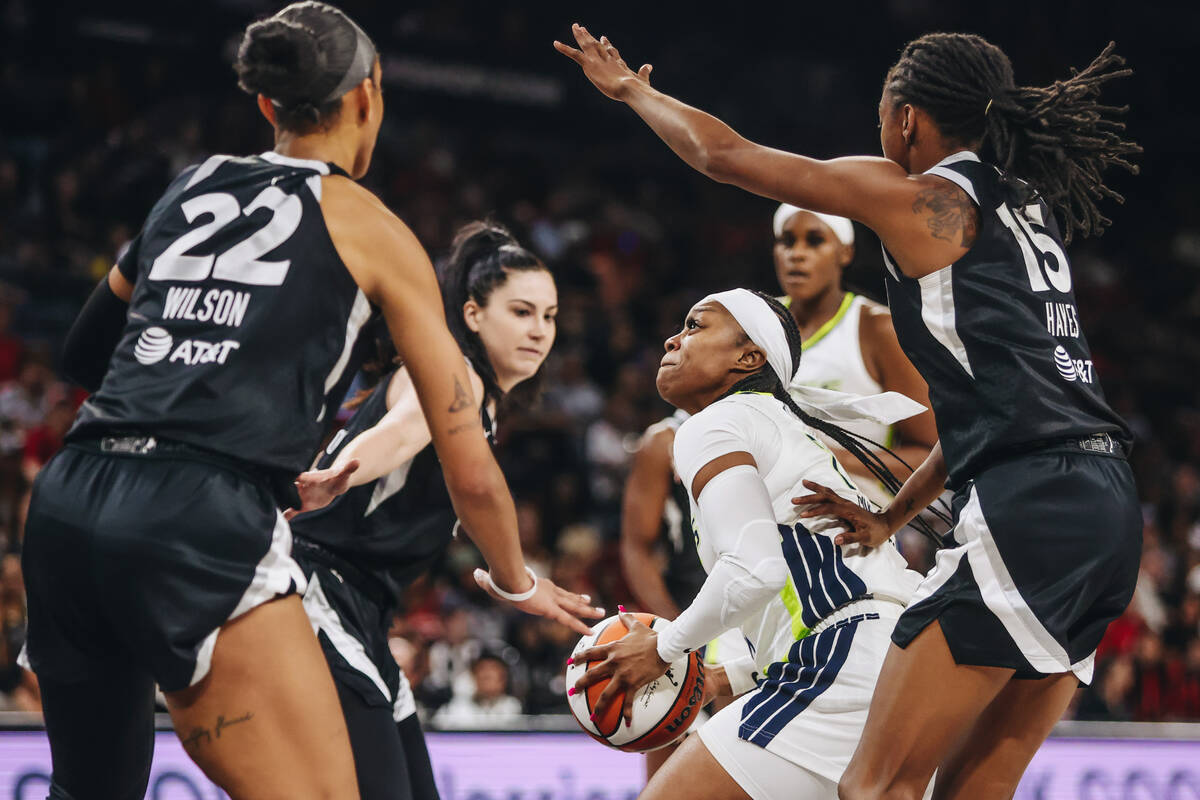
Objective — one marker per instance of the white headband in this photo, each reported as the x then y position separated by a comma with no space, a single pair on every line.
842,228
762,326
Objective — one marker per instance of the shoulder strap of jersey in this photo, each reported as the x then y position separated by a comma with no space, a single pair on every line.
965,170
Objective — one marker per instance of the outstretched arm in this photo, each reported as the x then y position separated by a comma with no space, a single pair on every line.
875,191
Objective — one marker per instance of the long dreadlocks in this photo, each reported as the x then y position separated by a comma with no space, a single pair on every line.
1059,138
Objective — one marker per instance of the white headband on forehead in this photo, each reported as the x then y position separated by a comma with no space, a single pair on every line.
842,228
761,325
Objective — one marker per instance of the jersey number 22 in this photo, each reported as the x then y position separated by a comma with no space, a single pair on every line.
239,263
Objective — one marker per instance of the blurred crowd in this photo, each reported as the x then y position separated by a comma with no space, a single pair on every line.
633,239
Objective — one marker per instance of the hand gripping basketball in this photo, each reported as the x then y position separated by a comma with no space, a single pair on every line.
628,663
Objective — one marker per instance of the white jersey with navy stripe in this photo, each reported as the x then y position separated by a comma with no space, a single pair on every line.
823,576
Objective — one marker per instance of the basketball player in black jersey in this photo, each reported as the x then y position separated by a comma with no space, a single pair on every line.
218,348
362,550
1046,547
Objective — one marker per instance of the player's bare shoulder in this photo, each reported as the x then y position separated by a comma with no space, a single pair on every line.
946,210
367,235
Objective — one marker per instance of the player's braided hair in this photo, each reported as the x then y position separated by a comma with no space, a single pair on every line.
765,380
1059,138
295,58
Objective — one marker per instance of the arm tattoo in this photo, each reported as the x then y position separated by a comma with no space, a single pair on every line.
949,213
908,506
462,400
466,426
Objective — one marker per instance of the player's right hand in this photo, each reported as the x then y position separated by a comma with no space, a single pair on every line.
602,64
862,526
318,487
551,601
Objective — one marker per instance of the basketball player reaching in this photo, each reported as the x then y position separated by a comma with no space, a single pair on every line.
1048,536
219,346
849,342
817,617
363,548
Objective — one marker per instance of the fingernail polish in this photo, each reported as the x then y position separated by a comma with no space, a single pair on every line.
571,692
621,609
626,723
592,717
570,661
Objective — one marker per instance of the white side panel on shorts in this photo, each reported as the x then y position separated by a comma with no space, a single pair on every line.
937,312
1000,594
405,705
324,618
360,312
274,575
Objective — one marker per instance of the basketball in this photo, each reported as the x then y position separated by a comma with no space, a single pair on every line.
662,710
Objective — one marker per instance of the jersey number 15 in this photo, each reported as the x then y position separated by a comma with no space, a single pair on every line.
239,263
1044,259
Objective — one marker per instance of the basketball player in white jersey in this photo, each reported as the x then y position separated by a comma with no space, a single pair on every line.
849,343
817,616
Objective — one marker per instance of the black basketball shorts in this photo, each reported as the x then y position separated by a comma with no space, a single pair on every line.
141,558
352,629
1044,554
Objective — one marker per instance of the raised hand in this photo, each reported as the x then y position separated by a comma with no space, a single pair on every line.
862,526
318,487
549,600
630,663
601,63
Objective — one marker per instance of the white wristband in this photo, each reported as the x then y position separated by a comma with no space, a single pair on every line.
515,598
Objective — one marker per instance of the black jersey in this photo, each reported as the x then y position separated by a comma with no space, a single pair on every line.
996,334
243,327
684,574
394,527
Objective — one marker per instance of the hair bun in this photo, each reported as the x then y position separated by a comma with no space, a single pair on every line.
280,59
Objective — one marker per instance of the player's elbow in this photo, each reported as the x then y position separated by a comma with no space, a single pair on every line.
723,159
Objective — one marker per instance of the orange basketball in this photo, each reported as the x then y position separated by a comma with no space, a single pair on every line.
662,709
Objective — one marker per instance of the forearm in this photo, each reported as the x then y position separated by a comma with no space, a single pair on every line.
697,137
919,491
486,510
647,585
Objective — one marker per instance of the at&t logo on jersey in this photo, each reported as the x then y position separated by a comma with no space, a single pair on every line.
154,344
1073,369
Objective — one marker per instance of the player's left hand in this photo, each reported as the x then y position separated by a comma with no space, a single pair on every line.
602,64
318,487
629,663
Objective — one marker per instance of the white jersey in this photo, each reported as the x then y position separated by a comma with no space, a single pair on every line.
823,577
833,359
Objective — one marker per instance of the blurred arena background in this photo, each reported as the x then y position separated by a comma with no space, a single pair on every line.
104,103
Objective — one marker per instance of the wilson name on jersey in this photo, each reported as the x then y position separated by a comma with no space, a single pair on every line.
996,334
394,527
243,327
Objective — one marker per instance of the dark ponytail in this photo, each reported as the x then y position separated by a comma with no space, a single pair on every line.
765,380
298,58
481,257
1059,138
